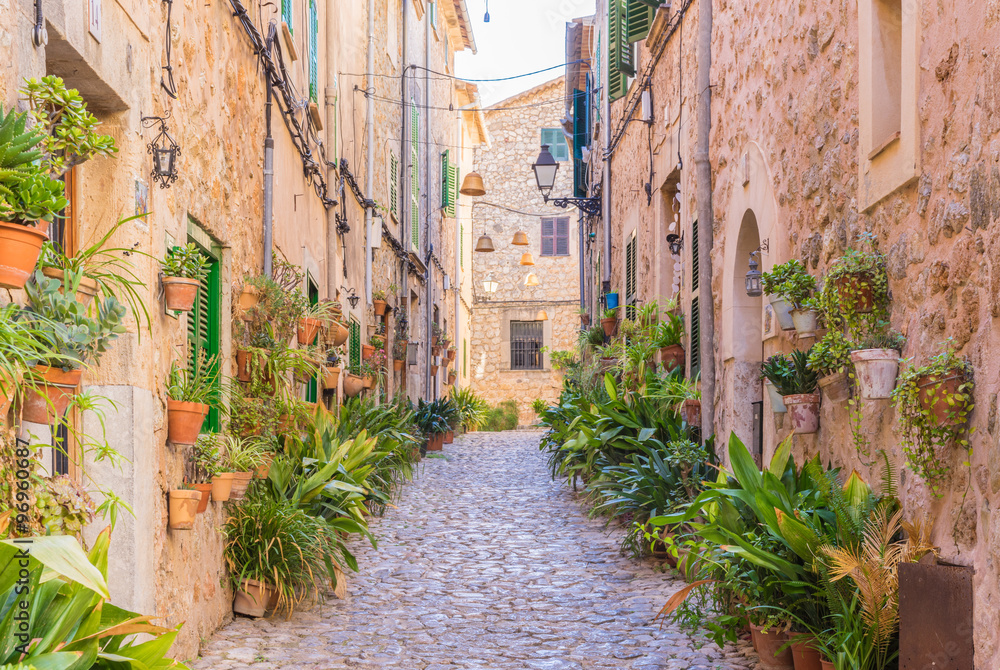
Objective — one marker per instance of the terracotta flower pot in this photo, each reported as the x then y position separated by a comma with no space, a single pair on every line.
184,421
264,469
206,494
379,306
451,354
803,409
609,326
182,508
397,365
353,384
584,319
933,393
826,665
249,298
782,311
434,340
835,386
330,377
47,397
449,437
672,357
804,655
768,644
222,486
179,293
308,329
19,250
369,382
434,369
367,351
777,403
241,480
251,598
860,287
452,376
435,350
84,293
340,334
806,321
875,370
691,412
435,442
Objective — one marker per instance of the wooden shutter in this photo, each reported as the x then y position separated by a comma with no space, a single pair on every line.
313,52
354,344
695,344
630,262
453,181
414,176
548,237
694,256
394,185
203,328
620,52
562,236
639,17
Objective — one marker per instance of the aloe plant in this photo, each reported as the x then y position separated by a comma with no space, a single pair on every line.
27,192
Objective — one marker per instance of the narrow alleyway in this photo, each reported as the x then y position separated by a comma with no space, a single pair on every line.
486,564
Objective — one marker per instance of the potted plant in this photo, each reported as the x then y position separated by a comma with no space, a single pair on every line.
452,376
584,316
184,268
399,354
368,350
190,396
452,352
243,457
830,358
668,336
74,339
435,336
856,287
435,363
876,362
609,321
796,383
183,507
331,369
933,403
206,465
354,383
379,299
315,318
788,285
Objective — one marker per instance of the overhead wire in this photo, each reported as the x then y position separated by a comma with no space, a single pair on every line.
410,105
445,75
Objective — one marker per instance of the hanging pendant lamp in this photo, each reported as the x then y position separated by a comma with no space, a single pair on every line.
520,239
541,316
485,243
531,280
472,185
526,259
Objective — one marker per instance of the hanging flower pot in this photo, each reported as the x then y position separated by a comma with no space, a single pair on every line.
804,654
264,469
182,508
308,329
584,319
249,298
767,644
835,386
184,421
451,353
805,322
19,250
379,306
452,376
85,292
434,369
340,333
777,403
856,288
222,486
609,325
241,480
330,377
434,340
48,393
782,311
691,412
875,370
934,392
672,357
179,293
803,409
353,385
397,365
435,350
206,494
370,382
251,598
367,351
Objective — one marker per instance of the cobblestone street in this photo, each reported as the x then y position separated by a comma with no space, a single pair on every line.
486,563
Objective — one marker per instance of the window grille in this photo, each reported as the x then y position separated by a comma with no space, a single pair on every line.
526,345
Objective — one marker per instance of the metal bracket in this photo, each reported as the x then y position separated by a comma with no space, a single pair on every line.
589,206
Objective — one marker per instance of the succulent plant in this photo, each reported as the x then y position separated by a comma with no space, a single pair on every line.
63,506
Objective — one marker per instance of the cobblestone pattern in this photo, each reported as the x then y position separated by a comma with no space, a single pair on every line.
485,564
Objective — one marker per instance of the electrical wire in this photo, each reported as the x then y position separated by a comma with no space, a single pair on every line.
400,103
168,85
445,75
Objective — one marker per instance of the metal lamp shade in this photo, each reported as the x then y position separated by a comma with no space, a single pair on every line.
472,185
531,280
545,167
485,243
163,161
526,259
542,315
520,239
490,286
753,286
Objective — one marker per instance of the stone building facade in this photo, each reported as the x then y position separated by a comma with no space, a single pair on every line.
331,215
828,120
518,325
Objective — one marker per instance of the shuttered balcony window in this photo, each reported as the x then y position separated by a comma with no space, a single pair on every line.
526,345
203,321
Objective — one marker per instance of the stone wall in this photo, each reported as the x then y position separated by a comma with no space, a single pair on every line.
513,203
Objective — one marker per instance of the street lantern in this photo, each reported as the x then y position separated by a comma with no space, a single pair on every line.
545,168
164,150
490,286
753,278
674,241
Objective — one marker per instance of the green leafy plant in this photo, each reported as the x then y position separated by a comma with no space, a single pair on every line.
207,457
185,261
880,337
399,350
471,407
502,416
670,331
199,385
831,355
244,454
610,313
27,192
791,281
791,375
933,403
856,282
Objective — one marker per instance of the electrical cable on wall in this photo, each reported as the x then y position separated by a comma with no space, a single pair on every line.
167,83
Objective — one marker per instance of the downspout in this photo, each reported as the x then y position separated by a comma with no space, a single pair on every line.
332,285
456,286
606,195
404,187
370,171
703,175
268,184
425,193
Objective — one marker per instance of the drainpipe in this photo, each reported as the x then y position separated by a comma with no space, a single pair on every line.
606,195
703,175
425,193
456,286
332,284
370,172
404,187
268,184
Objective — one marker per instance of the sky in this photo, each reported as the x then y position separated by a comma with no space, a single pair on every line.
522,36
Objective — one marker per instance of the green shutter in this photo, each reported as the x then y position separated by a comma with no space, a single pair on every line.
313,52
449,186
639,17
445,190
581,139
312,388
414,176
203,327
354,345
394,185
620,51
286,15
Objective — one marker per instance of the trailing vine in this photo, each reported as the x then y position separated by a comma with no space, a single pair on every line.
855,293
933,403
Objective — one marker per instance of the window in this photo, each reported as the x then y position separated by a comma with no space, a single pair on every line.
449,184
630,276
887,70
621,53
313,52
558,146
354,345
203,333
694,256
394,185
312,388
555,236
414,175
695,344
526,345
